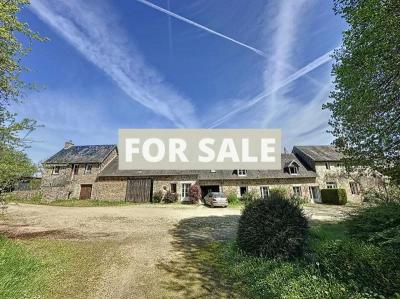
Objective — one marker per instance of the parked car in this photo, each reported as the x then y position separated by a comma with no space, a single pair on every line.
216,199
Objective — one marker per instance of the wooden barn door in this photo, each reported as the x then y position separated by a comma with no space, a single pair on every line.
86,192
139,190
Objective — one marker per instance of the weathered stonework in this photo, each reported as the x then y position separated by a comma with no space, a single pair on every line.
110,189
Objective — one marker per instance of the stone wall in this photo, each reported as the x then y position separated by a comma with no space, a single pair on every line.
24,194
110,189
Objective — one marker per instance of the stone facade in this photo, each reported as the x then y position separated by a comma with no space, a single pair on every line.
67,183
112,185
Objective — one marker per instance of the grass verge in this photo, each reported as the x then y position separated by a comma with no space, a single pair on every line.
43,268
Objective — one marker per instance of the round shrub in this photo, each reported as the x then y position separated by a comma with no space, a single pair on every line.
273,228
170,197
194,193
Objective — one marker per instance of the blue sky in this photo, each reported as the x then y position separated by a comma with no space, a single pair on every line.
130,64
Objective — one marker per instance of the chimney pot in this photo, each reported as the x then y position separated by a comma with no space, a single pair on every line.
68,144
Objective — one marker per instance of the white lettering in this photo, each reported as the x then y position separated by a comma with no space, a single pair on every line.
228,151
207,150
160,150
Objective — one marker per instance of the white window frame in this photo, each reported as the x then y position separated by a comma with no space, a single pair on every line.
76,166
295,168
242,172
88,168
56,170
331,185
294,192
184,191
262,191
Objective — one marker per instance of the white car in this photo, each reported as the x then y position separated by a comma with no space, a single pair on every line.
216,199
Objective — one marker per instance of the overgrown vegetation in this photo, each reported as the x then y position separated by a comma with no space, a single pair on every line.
350,259
379,225
272,228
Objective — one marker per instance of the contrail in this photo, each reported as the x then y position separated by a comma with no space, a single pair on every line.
183,19
296,75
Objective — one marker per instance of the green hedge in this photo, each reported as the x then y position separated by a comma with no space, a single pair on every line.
334,196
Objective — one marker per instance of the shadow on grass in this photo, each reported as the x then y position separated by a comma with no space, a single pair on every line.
190,272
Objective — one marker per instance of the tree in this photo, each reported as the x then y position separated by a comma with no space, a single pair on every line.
365,104
13,49
13,166
14,163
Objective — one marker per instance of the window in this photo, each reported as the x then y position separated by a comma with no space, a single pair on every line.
354,187
327,165
293,170
185,190
243,190
296,190
242,172
56,170
88,168
264,191
213,171
331,185
173,187
75,169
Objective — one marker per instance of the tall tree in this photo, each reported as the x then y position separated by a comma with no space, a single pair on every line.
13,134
365,104
13,49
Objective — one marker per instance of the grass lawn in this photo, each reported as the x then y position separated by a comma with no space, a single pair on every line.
334,267
42,268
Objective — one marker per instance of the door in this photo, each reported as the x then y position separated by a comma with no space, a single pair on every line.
315,194
86,192
139,190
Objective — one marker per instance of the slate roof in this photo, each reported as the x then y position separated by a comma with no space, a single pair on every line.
112,171
282,173
320,153
81,154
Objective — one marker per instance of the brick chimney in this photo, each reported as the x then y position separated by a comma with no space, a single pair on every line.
68,144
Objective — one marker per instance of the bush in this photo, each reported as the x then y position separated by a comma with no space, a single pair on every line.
272,228
334,196
365,267
157,197
378,224
194,193
233,199
278,192
299,200
249,196
170,197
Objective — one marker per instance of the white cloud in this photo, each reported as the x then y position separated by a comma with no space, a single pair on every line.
92,30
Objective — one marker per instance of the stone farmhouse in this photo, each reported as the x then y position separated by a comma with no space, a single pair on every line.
91,172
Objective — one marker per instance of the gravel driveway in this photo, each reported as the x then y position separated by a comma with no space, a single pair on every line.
156,242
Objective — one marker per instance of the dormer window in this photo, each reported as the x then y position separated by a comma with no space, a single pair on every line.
56,170
88,168
293,167
293,170
242,172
